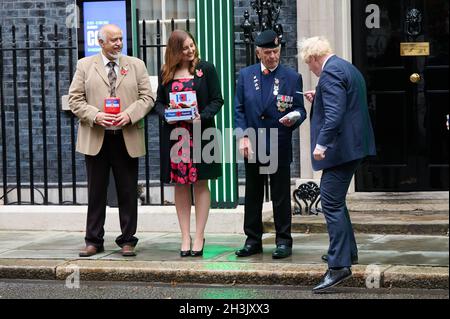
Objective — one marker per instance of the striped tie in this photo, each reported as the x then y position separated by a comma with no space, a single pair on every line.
112,77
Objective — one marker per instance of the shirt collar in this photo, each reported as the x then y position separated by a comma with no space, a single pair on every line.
263,67
325,62
106,60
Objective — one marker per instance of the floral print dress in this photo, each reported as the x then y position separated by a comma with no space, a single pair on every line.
182,169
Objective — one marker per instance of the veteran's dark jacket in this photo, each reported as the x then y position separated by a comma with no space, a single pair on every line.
255,109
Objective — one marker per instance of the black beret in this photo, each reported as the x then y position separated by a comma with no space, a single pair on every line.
267,39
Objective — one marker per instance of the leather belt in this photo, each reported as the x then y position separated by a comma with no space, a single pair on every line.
113,132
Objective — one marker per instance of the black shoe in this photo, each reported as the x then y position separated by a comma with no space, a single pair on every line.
198,253
249,250
282,251
332,278
354,259
186,253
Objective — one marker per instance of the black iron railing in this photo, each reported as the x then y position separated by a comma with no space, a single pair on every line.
18,93
36,68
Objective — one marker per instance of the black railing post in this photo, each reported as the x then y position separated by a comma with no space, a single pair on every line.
3,124
72,127
159,65
58,116
248,27
138,33
44,112
147,155
30,116
16,120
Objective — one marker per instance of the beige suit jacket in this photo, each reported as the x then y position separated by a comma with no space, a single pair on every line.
89,88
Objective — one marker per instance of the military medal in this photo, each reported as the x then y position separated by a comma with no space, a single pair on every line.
276,87
284,102
280,103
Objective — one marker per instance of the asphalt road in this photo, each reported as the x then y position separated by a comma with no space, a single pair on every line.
37,289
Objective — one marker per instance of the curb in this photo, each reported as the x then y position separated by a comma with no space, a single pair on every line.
373,276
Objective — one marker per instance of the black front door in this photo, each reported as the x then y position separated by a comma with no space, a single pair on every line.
402,49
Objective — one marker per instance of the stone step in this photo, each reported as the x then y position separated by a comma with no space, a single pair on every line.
429,202
419,213
374,222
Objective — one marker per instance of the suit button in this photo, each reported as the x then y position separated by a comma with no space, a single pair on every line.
262,117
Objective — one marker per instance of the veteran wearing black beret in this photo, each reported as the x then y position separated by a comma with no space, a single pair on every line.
268,99
268,39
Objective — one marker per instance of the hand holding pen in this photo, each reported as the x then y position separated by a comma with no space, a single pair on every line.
309,95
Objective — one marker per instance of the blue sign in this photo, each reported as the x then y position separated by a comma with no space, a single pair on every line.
96,15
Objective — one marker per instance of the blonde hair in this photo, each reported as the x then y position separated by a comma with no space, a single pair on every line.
314,47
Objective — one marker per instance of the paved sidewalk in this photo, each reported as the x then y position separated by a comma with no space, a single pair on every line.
402,261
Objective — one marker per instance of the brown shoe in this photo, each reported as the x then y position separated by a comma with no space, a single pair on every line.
90,250
128,251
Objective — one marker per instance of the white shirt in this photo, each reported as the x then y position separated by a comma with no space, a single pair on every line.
263,67
107,68
326,60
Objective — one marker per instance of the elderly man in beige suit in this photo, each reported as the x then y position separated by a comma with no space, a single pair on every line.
111,140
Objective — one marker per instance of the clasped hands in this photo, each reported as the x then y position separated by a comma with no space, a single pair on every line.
108,120
245,148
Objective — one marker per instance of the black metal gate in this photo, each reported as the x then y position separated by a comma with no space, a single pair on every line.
32,151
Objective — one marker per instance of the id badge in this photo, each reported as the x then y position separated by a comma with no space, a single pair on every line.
112,105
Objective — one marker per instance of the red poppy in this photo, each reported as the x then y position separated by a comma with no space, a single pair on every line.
199,73
177,87
123,71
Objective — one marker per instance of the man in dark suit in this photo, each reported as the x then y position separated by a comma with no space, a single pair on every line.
341,136
268,97
111,140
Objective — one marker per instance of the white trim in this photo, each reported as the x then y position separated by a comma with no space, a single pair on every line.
334,22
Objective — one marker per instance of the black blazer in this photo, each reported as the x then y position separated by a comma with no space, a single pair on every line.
210,101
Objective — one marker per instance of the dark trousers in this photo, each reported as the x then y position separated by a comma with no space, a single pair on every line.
125,170
333,191
280,189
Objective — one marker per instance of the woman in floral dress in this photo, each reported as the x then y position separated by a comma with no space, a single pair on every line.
183,71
